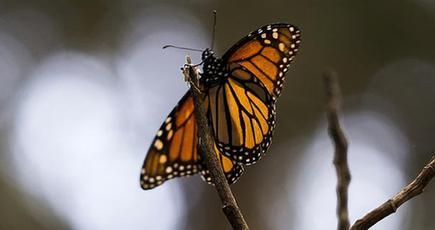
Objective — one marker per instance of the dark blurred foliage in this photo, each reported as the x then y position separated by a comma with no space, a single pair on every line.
383,52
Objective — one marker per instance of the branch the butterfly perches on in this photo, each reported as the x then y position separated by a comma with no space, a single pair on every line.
206,143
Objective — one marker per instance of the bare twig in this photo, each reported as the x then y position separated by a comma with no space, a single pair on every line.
333,95
206,140
413,189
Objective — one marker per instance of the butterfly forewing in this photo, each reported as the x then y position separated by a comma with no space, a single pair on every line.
266,53
174,150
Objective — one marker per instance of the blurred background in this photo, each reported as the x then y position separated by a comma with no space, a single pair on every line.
84,86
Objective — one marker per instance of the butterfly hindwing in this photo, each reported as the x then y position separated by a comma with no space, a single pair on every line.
242,114
232,169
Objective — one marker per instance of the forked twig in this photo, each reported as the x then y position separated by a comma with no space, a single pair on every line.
206,141
413,189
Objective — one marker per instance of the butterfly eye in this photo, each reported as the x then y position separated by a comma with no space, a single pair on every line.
205,54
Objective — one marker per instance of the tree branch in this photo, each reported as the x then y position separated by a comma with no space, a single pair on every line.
413,189
333,96
206,141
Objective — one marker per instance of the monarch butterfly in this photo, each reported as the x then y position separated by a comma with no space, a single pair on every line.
241,90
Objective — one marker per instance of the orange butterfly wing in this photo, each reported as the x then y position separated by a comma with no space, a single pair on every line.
232,169
174,150
243,117
266,53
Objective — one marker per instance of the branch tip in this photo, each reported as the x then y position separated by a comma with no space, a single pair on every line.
333,97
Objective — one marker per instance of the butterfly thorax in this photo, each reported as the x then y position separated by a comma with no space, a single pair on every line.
213,69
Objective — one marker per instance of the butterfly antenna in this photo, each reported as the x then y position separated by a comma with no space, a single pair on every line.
181,48
214,28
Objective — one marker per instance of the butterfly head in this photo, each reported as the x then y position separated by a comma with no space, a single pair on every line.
207,53
213,68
